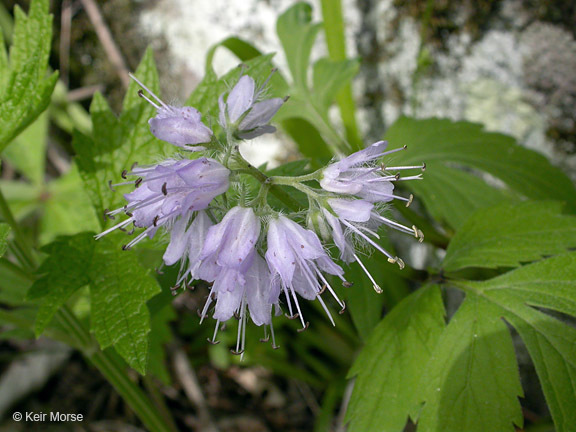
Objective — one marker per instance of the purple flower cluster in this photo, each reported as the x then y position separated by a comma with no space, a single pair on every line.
255,258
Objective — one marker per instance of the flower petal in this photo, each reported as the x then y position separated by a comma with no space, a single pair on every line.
241,98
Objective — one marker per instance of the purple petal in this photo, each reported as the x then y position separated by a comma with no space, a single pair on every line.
261,113
241,98
241,238
352,210
339,237
178,241
258,286
363,156
229,288
280,258
260,130
180,131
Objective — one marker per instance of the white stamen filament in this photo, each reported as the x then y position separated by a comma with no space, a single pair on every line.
365,237
109,230
374,284
393,224
149,91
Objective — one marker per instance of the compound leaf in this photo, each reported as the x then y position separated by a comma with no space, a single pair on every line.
508,234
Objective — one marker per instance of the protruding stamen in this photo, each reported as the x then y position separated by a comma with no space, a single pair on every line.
124,174
347,284
410,200
149,92
111,186
138,182
374,284
343,309
418,234
292,317
165,189
300,330
365,237
121,224
322,290
214,341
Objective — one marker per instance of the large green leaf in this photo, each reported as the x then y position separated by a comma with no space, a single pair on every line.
389,367
548,284
25,91
452,195
297,34
119,289
117,143
471,381
508,234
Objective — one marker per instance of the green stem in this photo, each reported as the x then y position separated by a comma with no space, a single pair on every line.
21,241
336,42
115,373
247,168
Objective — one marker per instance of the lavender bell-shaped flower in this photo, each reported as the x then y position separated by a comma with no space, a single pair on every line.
358,175
168,190
296,256
243,111
181,127
359,220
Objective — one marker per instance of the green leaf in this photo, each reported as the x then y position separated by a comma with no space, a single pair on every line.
297,34
117,143
547,284
509,234
330,77
63,273
29,150
25,91
4,231
119,290
160,335
389,368
445,146
471,380
59,218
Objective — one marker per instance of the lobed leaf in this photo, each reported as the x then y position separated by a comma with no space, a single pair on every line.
471,382
119,288
509,234
389,368
547,284
25,91
445,146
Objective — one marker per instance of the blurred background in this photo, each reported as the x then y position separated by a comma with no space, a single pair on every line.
508,64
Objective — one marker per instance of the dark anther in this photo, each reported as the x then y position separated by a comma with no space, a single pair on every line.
212,341
155,221
404,147
131,231
234,352
159,270
138,182
293,317
286,98
134,165
110,186
423,166
322,290
174,292
128,214
106,215
125,247
213,296
266,339
236,315
397,176
347,284
124,174
165,189
300,330
275,347
122,229
341,311
140,93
